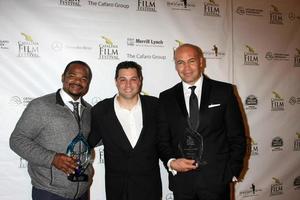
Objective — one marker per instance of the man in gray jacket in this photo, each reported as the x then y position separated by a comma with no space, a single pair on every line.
44,131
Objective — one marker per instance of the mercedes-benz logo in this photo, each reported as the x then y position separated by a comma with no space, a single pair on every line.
57,46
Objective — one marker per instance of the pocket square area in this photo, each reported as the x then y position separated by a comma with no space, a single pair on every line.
213,105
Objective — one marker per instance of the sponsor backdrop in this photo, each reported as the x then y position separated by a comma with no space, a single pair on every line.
253,44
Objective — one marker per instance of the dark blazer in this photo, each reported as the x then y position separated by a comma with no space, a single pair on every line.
221,125
130,173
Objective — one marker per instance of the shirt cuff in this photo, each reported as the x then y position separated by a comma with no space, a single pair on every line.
174,172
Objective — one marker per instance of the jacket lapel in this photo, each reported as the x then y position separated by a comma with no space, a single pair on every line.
206,88
180,99
118,132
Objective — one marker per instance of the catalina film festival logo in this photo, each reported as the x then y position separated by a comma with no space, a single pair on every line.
28,48
276,187
297,142
277,103
180,5
275,16
211,9
250,56
277,144
297,58
252,191
108,50
74,3
146,6
252,147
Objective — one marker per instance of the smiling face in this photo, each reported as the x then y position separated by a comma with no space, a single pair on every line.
128,83
76,81
189,63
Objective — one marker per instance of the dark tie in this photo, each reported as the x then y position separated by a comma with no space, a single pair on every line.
194,110
76,111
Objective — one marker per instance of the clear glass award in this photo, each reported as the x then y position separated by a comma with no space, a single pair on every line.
191,145
81,151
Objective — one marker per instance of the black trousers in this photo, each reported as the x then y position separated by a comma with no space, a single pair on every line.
38,194
193,186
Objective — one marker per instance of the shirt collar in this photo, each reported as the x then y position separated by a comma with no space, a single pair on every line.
198,85
67,98
136,106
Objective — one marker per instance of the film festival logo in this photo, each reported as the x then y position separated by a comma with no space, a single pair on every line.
214,53
275,16
277,144
297,58
297,183
249,11
28,48
74,3
146,6
250,56
252,147
108,50
277,103
251,102
211,9
276,187
252,191
297,142
180,5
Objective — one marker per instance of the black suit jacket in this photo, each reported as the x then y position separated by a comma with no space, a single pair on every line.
130,173
221,125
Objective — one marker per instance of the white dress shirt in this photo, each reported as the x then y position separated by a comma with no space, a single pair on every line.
187,92
67,98
131,120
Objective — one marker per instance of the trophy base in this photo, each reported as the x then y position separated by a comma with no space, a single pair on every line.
78,178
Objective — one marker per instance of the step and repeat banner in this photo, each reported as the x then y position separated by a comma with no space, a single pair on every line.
253,44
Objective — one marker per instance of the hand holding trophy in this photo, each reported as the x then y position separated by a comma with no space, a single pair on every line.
81,151
191,145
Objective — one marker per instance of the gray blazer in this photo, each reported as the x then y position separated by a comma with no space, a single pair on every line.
46,127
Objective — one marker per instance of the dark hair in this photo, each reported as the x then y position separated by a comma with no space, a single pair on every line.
79,63
129,64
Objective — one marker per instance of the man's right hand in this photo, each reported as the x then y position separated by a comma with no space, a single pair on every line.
183,165
64,163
